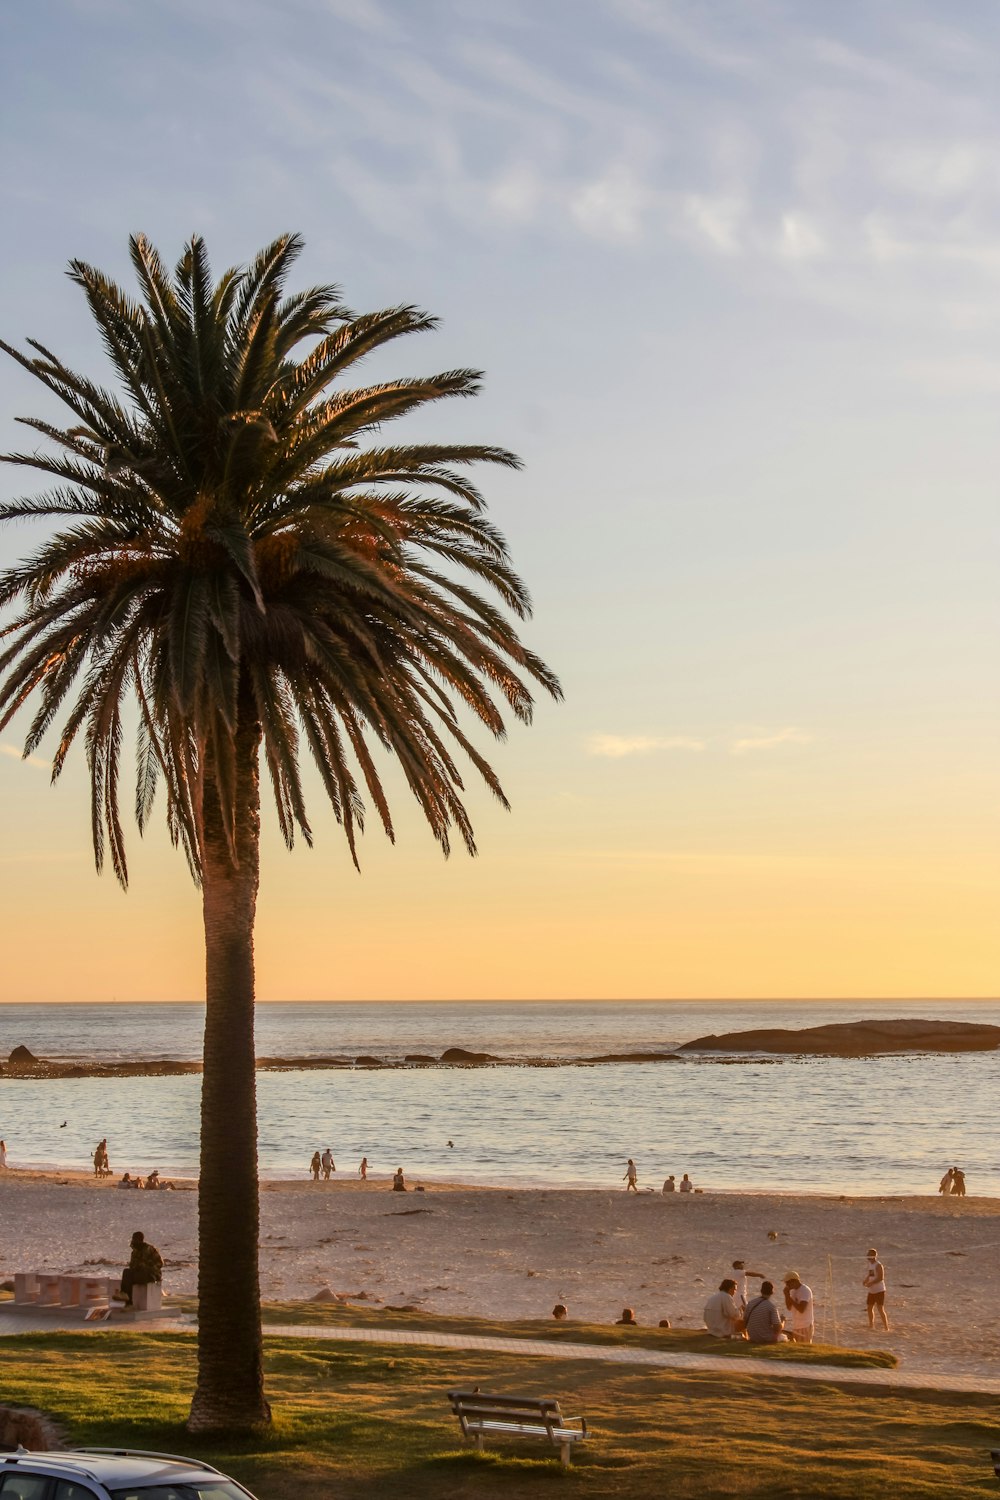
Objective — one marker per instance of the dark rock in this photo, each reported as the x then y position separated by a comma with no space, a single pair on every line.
22,1058
369,1062
856,1038
423,1057
460,1055
634,1057
23,1426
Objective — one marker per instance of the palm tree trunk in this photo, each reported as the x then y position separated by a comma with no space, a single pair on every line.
229,1395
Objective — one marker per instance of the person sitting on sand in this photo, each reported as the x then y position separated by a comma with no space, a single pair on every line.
130,1182
627,1319
687,1186
145,1265
944,1186
799,1301
958,1183
874,1284
630,1177
765,1325
398,1184
670,1186
153,1180
722,1312
560,1311
315,1165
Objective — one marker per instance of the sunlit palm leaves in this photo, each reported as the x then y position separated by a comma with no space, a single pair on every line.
234,527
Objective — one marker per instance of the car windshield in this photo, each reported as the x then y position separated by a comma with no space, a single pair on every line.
211,1489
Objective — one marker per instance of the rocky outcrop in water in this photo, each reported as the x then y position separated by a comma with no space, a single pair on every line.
856,1038
459,1055
22,1058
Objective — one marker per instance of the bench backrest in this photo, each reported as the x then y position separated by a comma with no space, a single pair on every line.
478,1406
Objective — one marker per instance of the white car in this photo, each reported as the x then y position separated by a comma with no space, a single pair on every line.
112,1474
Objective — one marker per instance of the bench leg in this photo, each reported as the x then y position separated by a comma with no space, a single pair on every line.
564,1449
479,1442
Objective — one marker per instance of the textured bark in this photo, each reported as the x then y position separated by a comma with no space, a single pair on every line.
230,1391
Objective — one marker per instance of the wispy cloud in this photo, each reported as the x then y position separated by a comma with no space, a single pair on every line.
617,746
29,760
770,740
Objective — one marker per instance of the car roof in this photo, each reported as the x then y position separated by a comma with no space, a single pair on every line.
114,1469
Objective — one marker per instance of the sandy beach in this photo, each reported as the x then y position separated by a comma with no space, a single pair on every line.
500,1253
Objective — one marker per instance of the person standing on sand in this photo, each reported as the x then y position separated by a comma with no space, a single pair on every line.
799,1301
944,1186
315,1165
3,1153
630,1177
329,1165
958,1183
363,1169
874,1284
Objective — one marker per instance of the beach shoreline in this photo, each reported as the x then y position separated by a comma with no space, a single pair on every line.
512,1253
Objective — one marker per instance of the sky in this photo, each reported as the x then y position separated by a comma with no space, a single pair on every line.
733,274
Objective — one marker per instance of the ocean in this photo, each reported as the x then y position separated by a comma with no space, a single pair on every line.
876,1125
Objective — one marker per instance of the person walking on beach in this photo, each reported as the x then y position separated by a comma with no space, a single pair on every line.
363,1169
874,1284
3,1153
329,1165
958,1183
944,1186
630,1177
315,1165
799,1301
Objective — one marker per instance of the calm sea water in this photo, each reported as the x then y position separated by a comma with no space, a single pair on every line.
871,1125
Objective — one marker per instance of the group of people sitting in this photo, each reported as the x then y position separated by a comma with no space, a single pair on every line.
730,1314
152,1182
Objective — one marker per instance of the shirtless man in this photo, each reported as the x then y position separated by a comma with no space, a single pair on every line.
874,1284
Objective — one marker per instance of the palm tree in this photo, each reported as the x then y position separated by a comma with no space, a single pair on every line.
247,572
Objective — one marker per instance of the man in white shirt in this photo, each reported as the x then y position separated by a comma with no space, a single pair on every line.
874,1285
328,1164
723,1314
799,1301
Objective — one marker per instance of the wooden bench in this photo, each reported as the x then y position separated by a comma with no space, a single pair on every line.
482,1415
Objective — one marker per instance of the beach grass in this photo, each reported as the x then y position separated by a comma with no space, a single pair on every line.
373,1421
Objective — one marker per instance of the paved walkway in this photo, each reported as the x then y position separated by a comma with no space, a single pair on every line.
26,1322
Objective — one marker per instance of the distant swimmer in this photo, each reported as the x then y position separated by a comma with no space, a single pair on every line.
630,1177
63,1125
452,1144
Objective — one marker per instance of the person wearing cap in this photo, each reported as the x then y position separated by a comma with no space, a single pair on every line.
722,1312
799,1301
740,1277
874,1284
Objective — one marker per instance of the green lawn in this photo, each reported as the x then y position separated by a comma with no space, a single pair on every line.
671,1341
370,1422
